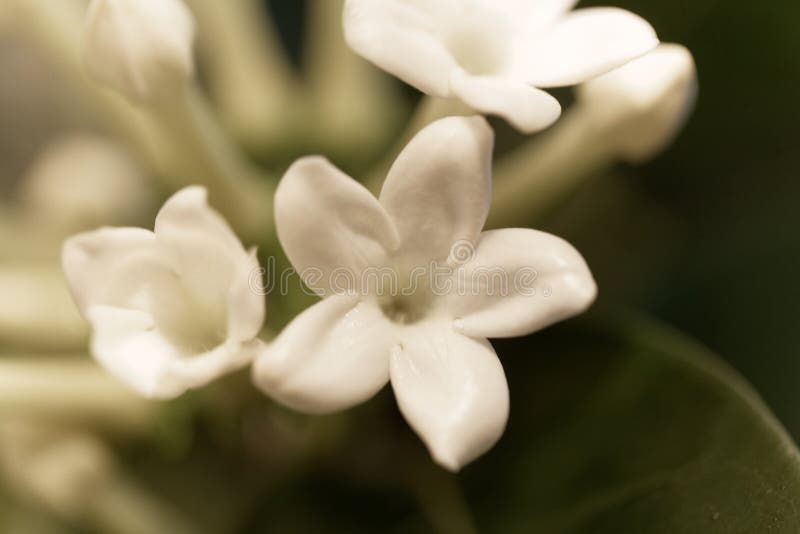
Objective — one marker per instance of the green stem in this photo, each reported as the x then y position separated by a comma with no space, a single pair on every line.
197,151
69,389
25,239
536,175
356,106
249,74
200,152
56,29
120,506
39,314
442,501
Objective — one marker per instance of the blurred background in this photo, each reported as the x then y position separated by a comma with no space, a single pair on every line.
705,237
708,237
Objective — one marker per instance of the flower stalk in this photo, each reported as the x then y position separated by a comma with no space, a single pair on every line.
630,114
69,389
56,29
530,179
200,152
356,105
38,313
250,78
74,475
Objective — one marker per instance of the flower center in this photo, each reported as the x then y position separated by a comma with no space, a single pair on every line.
479,41
404,309
407,298
190,321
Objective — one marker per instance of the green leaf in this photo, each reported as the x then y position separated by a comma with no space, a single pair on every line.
622,427
632,428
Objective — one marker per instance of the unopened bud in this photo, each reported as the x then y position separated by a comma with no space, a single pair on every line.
61,469
82,181
141,48
642,106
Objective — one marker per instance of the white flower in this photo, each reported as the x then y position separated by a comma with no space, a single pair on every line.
141,48
428,337
82,181
172,309
495,54
58,467
643,105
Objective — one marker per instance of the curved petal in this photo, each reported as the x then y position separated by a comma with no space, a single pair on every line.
452,391
439,189
643,104
246,303
89,261
188,211
198,370
330,226
128,344
527,108
202,248
331,357
404,39
533,15
584,44
519,281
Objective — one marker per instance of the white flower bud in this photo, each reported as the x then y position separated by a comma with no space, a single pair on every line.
59,468
642,105
82,181
141,48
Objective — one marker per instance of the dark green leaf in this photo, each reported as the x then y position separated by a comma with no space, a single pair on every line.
633,429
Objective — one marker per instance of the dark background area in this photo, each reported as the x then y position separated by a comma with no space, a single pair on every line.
720,212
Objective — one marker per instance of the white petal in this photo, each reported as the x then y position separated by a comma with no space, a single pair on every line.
330,226
527,108
642,105
90,261
128,345
202,248
584,44
536,14
246,307
452,391
519,281
331,357
187,211
404,39
439,188
201,369
142,48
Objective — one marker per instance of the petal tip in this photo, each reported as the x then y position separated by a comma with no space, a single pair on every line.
447,461
190,195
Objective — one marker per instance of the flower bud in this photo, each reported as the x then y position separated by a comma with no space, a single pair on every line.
61,469
641,106
141,48
82,181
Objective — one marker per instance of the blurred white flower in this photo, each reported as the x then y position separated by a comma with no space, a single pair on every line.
642,106
494,55
141,48
82,181
57,467
427,337
172,309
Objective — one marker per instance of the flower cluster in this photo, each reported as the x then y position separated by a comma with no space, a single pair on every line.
175,308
